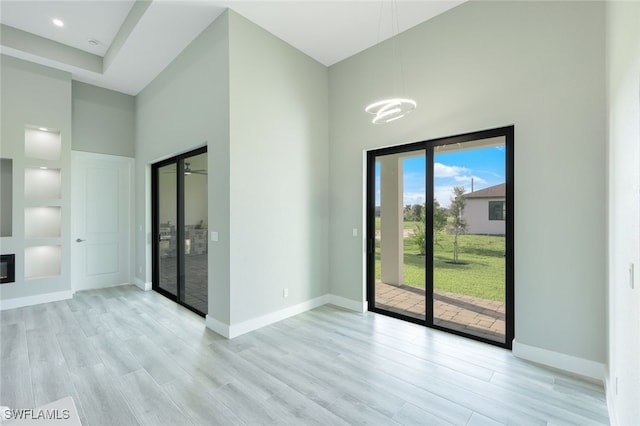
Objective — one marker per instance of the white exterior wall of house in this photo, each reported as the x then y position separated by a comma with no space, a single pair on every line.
476,213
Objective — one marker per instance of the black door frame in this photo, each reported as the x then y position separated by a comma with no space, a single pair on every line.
428,147
178,160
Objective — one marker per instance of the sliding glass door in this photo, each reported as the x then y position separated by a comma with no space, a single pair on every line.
399,218
180,247
440,234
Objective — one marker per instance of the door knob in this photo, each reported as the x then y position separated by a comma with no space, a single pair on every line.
79,240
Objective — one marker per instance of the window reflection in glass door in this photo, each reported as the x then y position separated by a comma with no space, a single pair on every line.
180,229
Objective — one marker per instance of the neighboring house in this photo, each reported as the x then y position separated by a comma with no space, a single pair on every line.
485,210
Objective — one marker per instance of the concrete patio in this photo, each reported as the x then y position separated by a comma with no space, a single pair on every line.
479,317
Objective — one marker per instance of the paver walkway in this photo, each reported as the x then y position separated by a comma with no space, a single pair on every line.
472,315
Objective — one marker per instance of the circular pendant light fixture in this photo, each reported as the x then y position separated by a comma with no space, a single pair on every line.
388,110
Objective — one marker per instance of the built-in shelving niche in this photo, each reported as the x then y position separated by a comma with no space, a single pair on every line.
42,184
42,144
42,196
42,261
42,222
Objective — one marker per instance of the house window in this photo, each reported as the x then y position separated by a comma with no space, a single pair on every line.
497,210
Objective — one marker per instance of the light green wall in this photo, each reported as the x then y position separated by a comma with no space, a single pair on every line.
271,217
623,61
103,120
34,95
185,107
539,66
279,173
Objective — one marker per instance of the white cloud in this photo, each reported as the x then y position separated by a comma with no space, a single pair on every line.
467,179
442,170
443,194
410,198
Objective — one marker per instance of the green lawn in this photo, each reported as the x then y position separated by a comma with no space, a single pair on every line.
407,225
482,275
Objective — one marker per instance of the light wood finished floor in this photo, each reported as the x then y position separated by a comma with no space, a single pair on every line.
130,357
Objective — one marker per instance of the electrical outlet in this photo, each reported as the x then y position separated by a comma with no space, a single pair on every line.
285,293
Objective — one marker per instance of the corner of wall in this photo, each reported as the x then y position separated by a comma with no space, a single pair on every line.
351,305
144,286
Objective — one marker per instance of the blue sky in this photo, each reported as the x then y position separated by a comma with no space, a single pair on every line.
484,165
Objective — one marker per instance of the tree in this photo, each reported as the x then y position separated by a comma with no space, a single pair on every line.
439,219
419,237
407,213
417,212
458,225
439,223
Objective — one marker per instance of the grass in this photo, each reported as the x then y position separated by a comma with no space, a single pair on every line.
407,225
482,274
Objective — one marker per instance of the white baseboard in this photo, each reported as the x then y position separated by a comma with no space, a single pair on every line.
98,287
217,326
141,284
583,367
239,329
235,330
19,302
610,394
352,305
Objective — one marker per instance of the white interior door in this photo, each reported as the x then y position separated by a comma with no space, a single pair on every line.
101,192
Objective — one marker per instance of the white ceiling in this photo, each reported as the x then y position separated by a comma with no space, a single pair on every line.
328,31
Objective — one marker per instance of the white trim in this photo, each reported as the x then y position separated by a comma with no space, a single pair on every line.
141,284
217,326
98,287
584,367
235,330
610,394
239,329
19,302
352,305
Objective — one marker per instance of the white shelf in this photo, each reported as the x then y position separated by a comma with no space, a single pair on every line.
42,184
42,261
42,203
42,145
42,222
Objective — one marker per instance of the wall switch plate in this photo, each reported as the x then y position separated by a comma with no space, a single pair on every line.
214,236
355,232
285,293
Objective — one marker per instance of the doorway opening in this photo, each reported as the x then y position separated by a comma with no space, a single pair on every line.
179,223
440,234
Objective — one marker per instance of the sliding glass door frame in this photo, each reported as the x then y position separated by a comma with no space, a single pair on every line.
179,161
428,147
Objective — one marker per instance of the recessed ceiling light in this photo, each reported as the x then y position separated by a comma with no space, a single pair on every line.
44,129
43,168
93,42
58,23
